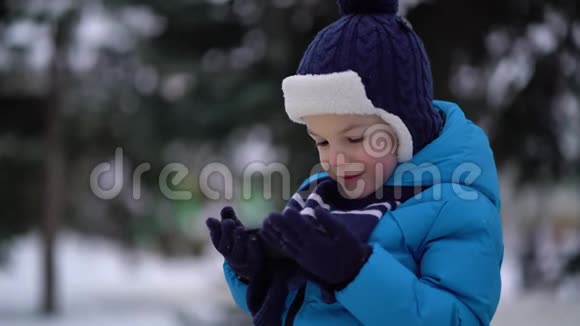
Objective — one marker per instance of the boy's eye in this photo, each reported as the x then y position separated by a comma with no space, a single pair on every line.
355,140
321,143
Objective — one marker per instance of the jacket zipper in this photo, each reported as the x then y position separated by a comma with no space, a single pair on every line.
295,306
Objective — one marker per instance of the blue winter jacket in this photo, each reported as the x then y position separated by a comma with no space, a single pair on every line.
436,258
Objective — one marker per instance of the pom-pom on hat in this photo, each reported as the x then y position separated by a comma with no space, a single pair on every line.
349,7
368,62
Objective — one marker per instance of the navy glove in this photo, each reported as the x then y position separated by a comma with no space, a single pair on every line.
242,250
323,247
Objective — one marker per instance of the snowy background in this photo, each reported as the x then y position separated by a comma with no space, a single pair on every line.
101,285
196,84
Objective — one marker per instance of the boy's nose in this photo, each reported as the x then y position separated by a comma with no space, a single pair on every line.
337,158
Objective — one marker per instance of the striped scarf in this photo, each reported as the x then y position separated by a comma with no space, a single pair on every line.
359,215
267,293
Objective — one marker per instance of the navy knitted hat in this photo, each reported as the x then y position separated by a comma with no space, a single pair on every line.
368,62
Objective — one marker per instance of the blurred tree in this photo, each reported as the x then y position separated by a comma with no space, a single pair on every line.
173,81
54,165
514,66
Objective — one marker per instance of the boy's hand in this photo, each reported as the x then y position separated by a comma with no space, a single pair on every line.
323,247
242,250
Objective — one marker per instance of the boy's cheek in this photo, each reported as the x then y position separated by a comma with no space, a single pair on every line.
380,171
325,165
388,170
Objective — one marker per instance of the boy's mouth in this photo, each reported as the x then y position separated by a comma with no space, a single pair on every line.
351,178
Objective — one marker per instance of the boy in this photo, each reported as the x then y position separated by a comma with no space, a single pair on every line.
397,233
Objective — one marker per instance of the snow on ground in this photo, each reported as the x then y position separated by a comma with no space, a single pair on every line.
102,285
534,309
538,309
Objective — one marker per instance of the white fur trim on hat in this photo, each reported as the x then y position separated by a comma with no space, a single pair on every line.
339,93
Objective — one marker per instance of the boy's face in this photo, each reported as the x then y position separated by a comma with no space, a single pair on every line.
358,151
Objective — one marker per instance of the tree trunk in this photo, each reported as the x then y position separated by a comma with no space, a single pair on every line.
53,210
54,167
